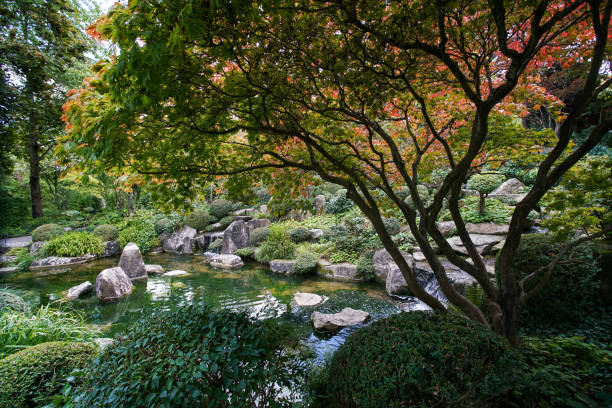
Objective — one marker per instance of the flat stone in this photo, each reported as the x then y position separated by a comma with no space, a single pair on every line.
226,261
244,212
316,233
341,272
307,299
244,218
131,262
257,223
104,342
16,242
217,226
418,256
154,269
175,273
77,291
53,261
8,269
335,321
113,284
180,241
482,242
284,266
487,228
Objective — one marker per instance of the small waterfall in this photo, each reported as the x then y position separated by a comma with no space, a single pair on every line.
205,240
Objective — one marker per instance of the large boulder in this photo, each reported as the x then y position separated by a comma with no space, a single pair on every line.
113,284
510,186
54,261
487,228
257,223
76,291
383,263
226,261
335,321
111,248
341,272
180,241
320,203
316,234
203,241
154,269
447,228
131,262
236,236
283,266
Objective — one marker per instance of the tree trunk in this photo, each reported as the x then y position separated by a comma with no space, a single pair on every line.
481,204
35,193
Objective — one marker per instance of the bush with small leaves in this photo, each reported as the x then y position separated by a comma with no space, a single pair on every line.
198,219
306,262
259,235
161,225
46,231
220,207
33,376
247,253
215,245
276,246
299,234
107,232
423,193
339,203
75,244
13,303
365,265
484,184
226,221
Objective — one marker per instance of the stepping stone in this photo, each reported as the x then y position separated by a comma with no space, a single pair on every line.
8,269
175,273
307,299
154,269
77,291
335,321
226,261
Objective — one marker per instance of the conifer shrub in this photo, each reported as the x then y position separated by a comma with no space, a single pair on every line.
107,232
198,219
46,232
220,207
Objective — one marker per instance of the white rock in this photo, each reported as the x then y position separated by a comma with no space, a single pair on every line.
76,291
226,261
154,269
316,233
177,272
307,299
180,241
104,342
334,321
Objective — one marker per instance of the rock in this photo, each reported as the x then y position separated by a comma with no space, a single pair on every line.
257,223
113,284
244,212
226,261
487,228
36,247
131,262
282,266
15,242
510,186
8,269
76,291
175,273
340,272
316,234
383,263
104,342
7,258
263,209
180,241
395,283
111,248
203,241
53,261
483,243
244,218
418,256
319,204
447,228
154,269
236,236
209,256
217,226
334,321
307,299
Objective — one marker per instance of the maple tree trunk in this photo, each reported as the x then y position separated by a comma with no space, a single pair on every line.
481,204
35,193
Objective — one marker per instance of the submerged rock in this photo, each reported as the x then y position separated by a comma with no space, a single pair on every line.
335,321
236,236
180,241
154,269
76,291
226,261
175,273
283,266
131,262
113,284
307,299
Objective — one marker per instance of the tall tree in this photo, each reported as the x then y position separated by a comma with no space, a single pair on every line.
370,95
42,43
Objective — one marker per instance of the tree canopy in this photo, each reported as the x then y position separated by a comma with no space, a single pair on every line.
373,96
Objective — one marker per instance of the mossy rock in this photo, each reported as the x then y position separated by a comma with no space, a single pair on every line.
12,302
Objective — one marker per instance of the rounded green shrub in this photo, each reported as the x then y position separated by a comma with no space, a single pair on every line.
220,207
569,292
276,246
299,234
198,219
161,225
75,244
420,359
259,235
215,245
106,232
9,302
485,183
191,357
33,376
339,203
247,253
226,221
142,233
305,263
46,232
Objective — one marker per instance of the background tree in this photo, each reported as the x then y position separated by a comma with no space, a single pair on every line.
42,46
373,96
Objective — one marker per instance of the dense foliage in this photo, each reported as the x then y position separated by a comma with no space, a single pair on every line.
46,232
140,230
31,377
276,246
197,219
191,357
259,235
305,262
221,208
299,234
75,244
10,302
420,359
106,232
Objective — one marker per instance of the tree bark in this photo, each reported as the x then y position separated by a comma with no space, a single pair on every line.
35,193
481,204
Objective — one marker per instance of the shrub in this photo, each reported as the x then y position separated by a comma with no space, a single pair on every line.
46,231
494,211
263,195
339,203
161,225
276,246
33,376
246,253
167,224
140,231
305,263
484,184
191,357
220,207
365,265
18,330
392,225
106,232
9,302
259,235
215,245
198,219
570,291
226,221
419,359
331,188
299,234
75,244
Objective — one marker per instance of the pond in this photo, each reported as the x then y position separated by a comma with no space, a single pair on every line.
252,288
